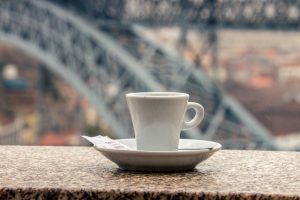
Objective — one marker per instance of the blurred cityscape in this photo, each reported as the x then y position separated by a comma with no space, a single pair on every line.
247,79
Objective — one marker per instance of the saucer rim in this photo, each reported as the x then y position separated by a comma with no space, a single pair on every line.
215,148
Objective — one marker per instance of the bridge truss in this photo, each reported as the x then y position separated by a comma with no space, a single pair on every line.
100,49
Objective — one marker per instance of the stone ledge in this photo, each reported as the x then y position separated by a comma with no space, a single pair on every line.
58,172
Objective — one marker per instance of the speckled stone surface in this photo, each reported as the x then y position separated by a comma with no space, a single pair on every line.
82,172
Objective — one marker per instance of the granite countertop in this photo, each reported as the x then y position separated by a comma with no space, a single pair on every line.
60,172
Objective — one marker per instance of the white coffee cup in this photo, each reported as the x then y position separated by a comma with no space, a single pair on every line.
158,118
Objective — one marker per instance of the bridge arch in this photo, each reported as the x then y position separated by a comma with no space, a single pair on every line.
76,52
91,61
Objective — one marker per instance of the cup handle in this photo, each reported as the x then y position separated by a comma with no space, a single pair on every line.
199,115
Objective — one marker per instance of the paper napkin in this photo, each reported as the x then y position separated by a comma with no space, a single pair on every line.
106,142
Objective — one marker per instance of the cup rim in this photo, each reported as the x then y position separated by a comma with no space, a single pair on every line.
157,95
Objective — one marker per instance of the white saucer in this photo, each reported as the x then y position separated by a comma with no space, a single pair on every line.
161,160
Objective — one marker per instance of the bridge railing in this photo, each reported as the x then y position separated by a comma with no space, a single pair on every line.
223,13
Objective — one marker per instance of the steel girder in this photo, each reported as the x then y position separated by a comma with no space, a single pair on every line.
103,68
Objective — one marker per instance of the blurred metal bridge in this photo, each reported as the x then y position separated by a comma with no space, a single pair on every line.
100,48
